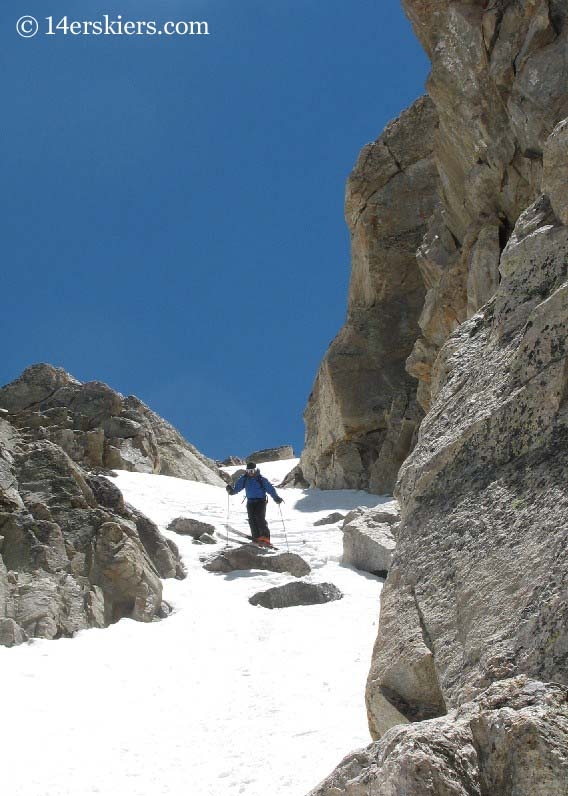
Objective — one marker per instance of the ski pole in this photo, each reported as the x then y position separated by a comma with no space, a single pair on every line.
285,534
227,523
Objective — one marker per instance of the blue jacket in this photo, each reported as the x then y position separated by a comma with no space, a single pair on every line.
256,487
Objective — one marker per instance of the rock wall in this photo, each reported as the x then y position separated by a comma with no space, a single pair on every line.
99,428
510,740
498,83
476,598
362,414
477,589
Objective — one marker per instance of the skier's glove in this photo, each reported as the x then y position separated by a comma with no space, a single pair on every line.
279,500
229,489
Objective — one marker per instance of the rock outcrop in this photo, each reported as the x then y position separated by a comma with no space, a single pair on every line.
99,428
72,554
510,740
362,415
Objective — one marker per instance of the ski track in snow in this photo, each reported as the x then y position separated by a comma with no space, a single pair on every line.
220,699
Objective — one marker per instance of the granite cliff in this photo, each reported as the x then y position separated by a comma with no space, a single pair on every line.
467,691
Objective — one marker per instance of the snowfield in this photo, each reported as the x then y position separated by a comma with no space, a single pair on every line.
220,699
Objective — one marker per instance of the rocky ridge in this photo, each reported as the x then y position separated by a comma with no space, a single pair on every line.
99,428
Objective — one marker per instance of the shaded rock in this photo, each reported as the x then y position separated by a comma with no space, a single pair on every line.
11,633
511,739
271,455
106,493
250,556
122,568
362,415
163,553
206,538
295,479
187,526
331,519
99,428
368,545
555,170
296,593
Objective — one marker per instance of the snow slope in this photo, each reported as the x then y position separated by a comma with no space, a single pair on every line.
222,698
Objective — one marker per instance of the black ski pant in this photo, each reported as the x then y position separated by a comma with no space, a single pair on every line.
256,510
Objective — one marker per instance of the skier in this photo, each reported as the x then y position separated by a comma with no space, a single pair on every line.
256,488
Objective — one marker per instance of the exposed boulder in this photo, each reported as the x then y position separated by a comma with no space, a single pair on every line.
362,415
72,554
282,453
296,593
187,526
368,544
512,739
555,167
99,428
250,556
331,519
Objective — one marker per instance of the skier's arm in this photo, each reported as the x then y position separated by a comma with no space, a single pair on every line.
271,491
240,484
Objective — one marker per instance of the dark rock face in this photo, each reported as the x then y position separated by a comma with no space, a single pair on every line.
72,555
99,428
362,415
510,740
250,556
296,593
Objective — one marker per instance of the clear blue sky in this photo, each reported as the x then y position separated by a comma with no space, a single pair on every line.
172,207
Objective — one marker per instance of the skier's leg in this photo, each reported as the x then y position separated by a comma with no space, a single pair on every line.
262,525
251,513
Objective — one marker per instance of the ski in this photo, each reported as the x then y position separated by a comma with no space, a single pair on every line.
239,533
242,535
249,540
